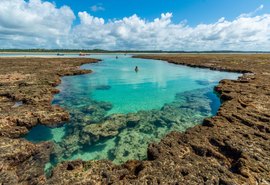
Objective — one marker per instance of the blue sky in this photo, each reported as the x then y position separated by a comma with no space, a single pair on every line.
136,24
193,11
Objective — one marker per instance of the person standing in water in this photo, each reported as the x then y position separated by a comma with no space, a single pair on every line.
136,69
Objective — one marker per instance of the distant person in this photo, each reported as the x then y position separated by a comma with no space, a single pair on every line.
136,69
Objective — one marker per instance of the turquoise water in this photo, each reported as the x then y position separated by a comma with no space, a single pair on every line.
156,83
116,112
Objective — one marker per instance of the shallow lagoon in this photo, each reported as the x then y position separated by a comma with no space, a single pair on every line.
116,112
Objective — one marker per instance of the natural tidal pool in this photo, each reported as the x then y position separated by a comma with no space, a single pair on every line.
116,112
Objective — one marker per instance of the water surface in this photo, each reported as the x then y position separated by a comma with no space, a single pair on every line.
116,112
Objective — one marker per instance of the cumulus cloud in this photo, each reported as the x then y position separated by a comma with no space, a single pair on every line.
33,24
243,33
22,22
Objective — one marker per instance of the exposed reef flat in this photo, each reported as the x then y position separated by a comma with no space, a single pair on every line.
27,86
232,147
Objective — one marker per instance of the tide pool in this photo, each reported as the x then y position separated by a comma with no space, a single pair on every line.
156,83
116,112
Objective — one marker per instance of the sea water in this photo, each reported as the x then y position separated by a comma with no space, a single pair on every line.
116,112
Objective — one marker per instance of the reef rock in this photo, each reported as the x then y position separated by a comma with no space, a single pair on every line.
232,147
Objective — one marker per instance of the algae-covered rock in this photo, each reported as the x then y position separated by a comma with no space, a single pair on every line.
133,132
130,145
108,128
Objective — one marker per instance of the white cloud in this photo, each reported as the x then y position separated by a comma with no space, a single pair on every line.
97,7
243,33
87,19
34,23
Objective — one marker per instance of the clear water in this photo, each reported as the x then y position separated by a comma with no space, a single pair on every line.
116,112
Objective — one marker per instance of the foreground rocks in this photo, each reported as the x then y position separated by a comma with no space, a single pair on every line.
22,162
232,147
27,86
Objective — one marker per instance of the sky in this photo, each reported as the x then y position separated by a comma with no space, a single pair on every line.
136,24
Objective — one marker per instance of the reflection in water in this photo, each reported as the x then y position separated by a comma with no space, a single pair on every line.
116,112
154,85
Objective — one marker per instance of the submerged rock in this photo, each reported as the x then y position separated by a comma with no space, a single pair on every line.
132,131
103,87
222,151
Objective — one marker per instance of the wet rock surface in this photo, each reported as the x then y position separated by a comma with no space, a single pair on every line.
27,86
232,147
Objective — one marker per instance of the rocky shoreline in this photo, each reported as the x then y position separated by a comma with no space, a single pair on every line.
232,147
27,86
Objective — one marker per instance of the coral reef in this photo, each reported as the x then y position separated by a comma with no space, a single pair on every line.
26,91
232,147
130,133
229,148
